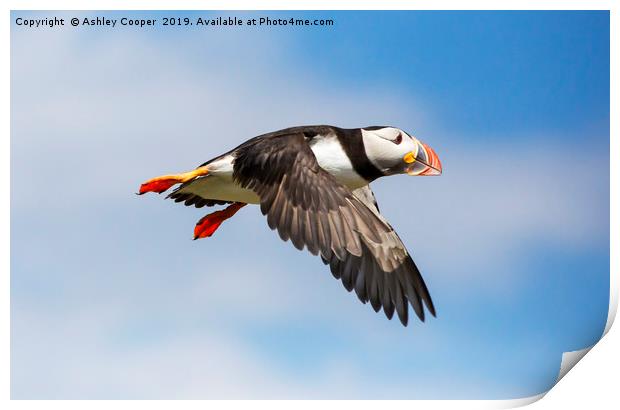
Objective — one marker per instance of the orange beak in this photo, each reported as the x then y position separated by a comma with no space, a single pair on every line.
424,162
433,164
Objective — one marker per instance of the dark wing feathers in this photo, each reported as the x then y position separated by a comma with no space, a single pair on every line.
307,206
190,199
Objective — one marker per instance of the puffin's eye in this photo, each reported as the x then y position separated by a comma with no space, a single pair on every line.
398,139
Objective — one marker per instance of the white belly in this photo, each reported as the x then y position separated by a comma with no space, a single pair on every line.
222,188
219,184
332,158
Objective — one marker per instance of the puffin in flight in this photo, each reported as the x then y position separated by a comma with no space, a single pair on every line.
312,183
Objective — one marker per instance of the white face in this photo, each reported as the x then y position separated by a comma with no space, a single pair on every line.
387,147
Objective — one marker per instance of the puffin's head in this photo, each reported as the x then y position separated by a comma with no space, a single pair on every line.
393,151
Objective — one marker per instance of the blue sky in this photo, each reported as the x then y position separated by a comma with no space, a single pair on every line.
112,299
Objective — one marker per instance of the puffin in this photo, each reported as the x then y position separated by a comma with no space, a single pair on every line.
313,185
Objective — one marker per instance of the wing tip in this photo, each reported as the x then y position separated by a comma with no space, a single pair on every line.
431,309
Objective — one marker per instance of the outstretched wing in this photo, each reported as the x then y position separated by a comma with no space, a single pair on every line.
306,204
406,273
189,198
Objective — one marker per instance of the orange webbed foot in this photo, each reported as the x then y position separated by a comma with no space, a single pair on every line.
208,224
165,182
157,185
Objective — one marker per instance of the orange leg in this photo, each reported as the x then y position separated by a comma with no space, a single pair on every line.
209,223
164,182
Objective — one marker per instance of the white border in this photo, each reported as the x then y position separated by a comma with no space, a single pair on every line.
310,5
569,359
